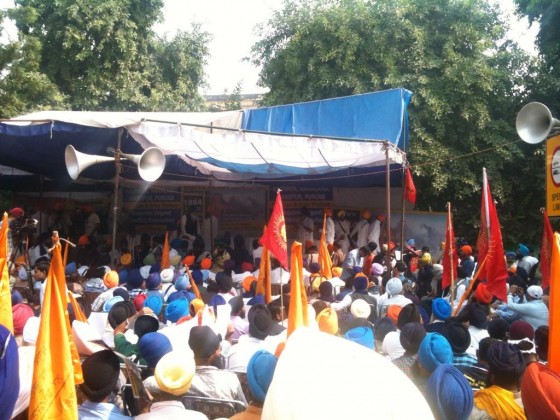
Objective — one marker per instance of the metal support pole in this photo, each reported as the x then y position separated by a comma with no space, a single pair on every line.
403,209
388,203
116,198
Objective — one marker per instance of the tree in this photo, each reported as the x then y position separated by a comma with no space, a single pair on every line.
467,84
104,54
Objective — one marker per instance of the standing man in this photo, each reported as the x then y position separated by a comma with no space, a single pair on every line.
305,226
375,231
329,227
209,229
342,231
362,229
93,222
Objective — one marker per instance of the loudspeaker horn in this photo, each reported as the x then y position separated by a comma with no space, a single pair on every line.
535,122
76,161
150,164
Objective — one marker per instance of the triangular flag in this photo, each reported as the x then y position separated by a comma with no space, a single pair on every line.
6,318
165,253
553,307
194,287
53,389
275,237
546,250
450,259
264,285
78,313
325,262
410,189
297,316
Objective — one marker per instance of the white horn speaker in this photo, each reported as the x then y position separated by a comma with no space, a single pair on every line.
535,122
76,161
150,164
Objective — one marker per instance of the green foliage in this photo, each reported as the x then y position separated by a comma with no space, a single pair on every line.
104,54
468,83
233,100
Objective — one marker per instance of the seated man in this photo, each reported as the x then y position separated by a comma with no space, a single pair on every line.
210,380
101,373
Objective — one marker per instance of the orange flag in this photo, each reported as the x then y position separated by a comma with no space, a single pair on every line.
78,314
297,315
554,316
194,287
546,248
325,261
264,286
165,253
274,237
450,259
53,390
6,318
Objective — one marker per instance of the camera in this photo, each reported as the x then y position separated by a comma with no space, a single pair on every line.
22,228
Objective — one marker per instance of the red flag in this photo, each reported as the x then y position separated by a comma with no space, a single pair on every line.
495,271
484,232
410,189
450,259
264,286
165,253
275,237
546,249
325,261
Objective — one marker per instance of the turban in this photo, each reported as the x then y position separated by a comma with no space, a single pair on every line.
458,336
523,250
203,341
31,330
498,328
149,259
441,309
182,282
434,350
260,321
139,301
408,313
255,300
247,283
101,372
134,279
411,336
126,259
216,301
236,304
206,264
119,312
155,303
110,302
174,260
16,212
521,329
260,371
153,346
356,269
174,372
111,279
314,267
540,392
119,291
177,309
337,271
366,214
83,240
145,324
449,393
361,335
477,315
505,360
145,271
328,212
153,281
123,276
197,277
360,309
394,286
426,258
16,298
229,265
437,269
196,305
377,269
466,249
70,268
411,242
393,312
328,321
246,266
483,295
166,275
360,283
21,312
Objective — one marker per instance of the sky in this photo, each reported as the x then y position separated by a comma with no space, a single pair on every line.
231,24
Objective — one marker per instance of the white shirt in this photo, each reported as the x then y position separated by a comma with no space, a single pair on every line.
278,276
91,223
240,353
342,230
362,229
374,232
392,345
329,230
476,335
303,235
209,231
398,300
171,410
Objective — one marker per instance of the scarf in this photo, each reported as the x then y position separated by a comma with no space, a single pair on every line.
499,403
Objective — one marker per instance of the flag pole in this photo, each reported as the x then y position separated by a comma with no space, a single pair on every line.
388,205
452,262
471,285
403,209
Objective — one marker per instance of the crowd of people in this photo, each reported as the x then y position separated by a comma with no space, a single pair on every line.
199,331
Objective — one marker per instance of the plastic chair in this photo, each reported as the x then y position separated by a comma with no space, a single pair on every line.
213,408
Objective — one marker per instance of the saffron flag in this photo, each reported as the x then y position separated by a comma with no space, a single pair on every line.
409,188
546,249
553,307
165,253
264,285
450,259
78,313
325,262
6,318
494,271
194,287
53,390
275,237
297,315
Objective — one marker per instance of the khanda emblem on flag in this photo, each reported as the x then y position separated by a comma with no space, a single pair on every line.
275,237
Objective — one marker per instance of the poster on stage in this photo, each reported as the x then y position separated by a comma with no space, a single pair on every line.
152,211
